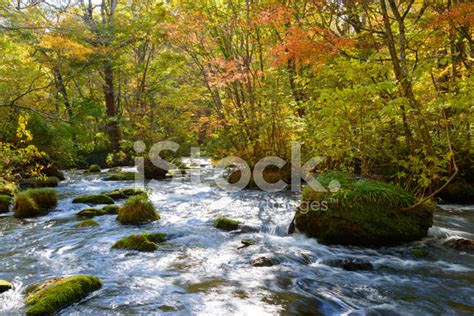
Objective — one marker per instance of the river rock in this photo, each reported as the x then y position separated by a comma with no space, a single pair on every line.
362,213
40,182
461,244
88,223
226,224
34,202
150,171
137,210
262,262
93,199
94,168
120,194
5,286
350,264
111,209
56,294
121,176
271,174
145,242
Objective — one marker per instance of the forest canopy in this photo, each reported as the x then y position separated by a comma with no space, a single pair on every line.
381,88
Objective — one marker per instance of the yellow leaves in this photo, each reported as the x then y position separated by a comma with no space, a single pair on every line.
65,46
23,134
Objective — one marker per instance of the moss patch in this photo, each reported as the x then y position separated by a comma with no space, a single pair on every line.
40,182
362,212
5,286
124,193
93,199
5,201
88,223
226,224
144,242
34,202
121,176
94,168
111,209
60,293
419,252
90,213
137,210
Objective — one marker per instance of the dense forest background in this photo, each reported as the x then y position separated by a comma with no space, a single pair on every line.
382,88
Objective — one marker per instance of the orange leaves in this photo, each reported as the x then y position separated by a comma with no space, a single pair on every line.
460,14
65,46
222,72
275,15
308,47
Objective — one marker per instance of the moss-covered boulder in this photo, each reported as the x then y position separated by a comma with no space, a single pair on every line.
226,224
5,201
90,213
5,286
362,213
111,209
461,244
271,174
458,192
93,199
59,293
40,182
94,168
150,171
137,210
121,176
144,242
87,223
34,202
124,193
53,171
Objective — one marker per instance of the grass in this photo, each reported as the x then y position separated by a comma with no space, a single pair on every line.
34,202
145,242
60,293
93,199
226,224
137,210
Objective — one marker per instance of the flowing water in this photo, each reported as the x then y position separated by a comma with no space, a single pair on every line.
202,271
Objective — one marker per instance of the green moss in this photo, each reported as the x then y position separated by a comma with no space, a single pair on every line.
111,209
125,193
5,201
362,212
121,176
419,252
226,224
458,192
93,199
94,168
137,210
5,286
34,202
91,212
87,223
60,293
40,182
144,242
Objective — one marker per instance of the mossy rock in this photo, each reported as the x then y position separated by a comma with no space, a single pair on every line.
5,286
59,293
93,199
226,224
88,223
137,210
34,202
53,171
94,168
419,252
150,171
362,213
145,242
5,201
461,244
459,192
121,176
91,212
125,193
40,182
111,209
271,174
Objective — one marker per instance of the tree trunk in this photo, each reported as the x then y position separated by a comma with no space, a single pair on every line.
113,128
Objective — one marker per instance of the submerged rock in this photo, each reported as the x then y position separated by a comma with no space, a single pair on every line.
87,223
40,182
350,264
93,199
459,192
137,210
247,243
145,242
91,212
262,262
120,194
34,202
419,252
362,213
121,176
226,224
59,293
5,286
461,244
5,201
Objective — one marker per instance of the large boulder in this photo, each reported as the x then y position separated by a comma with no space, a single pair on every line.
145,242
362,213
40,182
53,171
93,199
150,171
271,174
56,294
5,201
34,202
124,193
137,210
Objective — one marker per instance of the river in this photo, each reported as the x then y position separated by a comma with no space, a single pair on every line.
202,271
